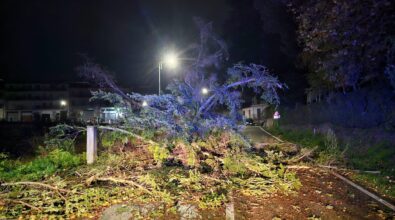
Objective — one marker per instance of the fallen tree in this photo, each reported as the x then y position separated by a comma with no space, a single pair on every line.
183,146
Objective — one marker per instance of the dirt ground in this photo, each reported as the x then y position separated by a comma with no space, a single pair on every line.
322,196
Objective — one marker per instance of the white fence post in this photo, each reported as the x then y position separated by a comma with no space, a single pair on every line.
230,208
91,144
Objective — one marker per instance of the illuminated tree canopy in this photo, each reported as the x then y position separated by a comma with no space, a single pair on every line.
186,110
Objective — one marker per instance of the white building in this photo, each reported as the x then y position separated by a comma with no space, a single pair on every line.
255,112
27,102
45,102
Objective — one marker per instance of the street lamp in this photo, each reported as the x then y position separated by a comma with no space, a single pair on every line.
204,91
145,104
63,103
170,60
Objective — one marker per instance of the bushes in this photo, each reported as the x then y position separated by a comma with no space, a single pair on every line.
40,167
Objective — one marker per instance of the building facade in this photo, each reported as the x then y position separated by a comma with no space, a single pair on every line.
256,112
48,102
27,102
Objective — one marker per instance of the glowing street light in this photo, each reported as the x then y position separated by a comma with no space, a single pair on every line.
204,91
170,60
63,103
145,104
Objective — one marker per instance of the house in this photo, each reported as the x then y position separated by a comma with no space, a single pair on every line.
256,112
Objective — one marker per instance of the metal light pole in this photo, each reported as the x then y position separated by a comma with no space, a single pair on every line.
171,61
159,69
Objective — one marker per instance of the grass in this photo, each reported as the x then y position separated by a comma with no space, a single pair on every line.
38,168
327,147
380,183
302,137
380,156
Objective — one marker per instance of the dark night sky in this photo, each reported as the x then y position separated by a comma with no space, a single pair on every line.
42,40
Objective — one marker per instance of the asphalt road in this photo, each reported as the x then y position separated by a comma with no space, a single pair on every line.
257,135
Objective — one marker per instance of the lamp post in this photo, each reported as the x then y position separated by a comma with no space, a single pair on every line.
63,103
63,114
171,61
204,91
159,69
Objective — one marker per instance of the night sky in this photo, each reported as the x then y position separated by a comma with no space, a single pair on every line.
43,40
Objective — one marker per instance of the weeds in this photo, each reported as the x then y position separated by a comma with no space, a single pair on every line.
327,147
110,139
381,183
330,153
377,157
159,153
39,168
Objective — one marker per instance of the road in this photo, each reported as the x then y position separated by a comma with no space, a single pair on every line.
257,135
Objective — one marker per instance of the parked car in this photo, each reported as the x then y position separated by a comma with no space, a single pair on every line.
249,121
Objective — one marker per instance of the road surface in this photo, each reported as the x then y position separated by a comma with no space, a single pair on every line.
257,135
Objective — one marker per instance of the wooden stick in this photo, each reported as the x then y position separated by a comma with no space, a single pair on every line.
297,167
359,171
127,132
123,181
270,134
36,184
307,154
23,203
380,200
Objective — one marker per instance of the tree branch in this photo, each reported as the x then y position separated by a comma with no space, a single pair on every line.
122,181
23,203
127,132
36,184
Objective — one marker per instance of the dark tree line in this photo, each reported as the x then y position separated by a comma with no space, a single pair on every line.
346,43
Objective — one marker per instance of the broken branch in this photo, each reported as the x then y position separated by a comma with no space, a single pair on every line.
122,181
36,184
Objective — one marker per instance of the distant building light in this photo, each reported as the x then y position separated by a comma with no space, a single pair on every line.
63,103
145,104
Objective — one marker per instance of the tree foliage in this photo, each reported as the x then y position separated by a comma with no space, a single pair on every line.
186,110
346,43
